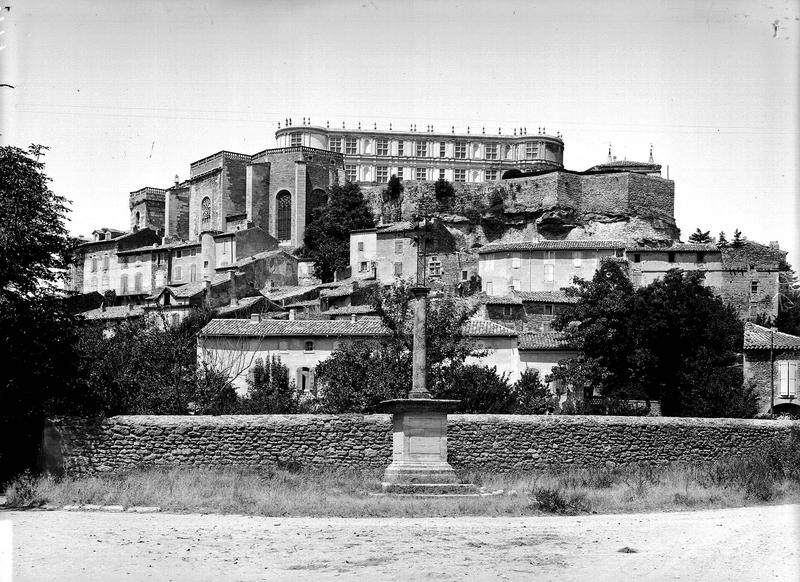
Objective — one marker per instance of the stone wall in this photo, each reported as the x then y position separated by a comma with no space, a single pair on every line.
476,442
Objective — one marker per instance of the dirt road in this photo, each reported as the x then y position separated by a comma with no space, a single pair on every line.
758,543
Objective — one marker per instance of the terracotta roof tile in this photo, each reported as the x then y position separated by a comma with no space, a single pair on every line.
551,245
484,328
115,312
757,337
551,340
351,310
243,303
296,327
545,296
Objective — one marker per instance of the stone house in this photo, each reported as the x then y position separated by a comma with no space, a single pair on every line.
543,351
647,264
771,360
751,278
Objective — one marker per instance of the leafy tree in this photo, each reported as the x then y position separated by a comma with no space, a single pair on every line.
722,241
270,390
738,240
700,237
661,342
532,395
327,237
443,189
480,389
394,189
38,362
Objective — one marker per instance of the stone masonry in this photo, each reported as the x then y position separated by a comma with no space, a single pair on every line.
475,442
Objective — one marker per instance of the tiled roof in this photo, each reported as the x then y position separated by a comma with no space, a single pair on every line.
243,303
545,296
295,327
281,293
351,310
116,312
396,227
551,340
500,300
757,337
483,328
302,304
551,245
676,247
195,287
342,291
253,258
166,247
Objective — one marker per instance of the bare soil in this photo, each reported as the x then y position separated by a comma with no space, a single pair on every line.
753,543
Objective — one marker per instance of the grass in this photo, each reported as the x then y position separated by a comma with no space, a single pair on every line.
735,482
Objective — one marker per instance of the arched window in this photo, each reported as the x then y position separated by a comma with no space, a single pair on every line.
105,262
205,213
123,284
138,219
284,216
137,282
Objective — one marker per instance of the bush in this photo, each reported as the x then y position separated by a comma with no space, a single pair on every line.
555,500
270,390
481,391
22,491
531,394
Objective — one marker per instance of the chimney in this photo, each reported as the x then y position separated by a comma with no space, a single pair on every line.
773,244
353,317
255,318
232,287
292,314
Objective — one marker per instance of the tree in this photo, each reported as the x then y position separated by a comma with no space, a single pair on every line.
38,363
443,189
327,236
270,390
663,341
700,237
532,395
722,242
738,240
394,189
480,389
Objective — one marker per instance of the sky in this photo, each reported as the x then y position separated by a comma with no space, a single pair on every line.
128,94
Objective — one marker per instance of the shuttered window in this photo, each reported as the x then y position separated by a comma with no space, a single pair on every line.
787,372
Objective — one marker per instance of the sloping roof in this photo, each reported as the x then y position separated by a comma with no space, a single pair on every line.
342,291
243,304
195,287
484,328
351,310
676,247
550,340
545,296
262,255
302,304
281,293
295,327
396,227
757,337
500,300
551,245
115,312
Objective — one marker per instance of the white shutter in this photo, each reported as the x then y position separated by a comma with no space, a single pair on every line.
792,385
783,374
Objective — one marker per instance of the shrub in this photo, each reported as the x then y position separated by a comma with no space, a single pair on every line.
531,394
481,391
22,491
270,390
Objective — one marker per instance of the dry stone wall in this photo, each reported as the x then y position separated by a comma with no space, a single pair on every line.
476,442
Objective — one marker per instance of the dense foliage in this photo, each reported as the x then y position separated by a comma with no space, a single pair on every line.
673,341
327,236
37,356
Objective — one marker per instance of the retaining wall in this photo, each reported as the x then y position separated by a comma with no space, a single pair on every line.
476,442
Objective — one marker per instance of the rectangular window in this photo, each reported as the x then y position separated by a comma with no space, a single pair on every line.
421,174
350,146
105,261
753,287
383,147
177,272
548,309
549,273
753,309
637,258
459,175
441,149
507,310
422,148
360,246
297,139
670,257
398,269
192,273
464,275
193,252
94,265
382,174
400,148
515,284
398,247
489,287
531,150
123,284
491,175
123,262
549,255
787,372
516,262
400,173
350,172
441,174
178,254
336,144
435,267
461,149
491,151
701,257
364,267
576,259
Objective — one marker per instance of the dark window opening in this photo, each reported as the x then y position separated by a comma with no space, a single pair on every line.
671,257
637,258
284,216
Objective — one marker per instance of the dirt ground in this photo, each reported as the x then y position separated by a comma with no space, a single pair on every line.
756,543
